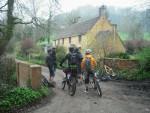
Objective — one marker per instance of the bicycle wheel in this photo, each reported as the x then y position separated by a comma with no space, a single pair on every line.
99,91
63,84
45,81
72,86
92,83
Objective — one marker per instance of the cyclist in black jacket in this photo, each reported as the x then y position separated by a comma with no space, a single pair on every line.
69,58
72,60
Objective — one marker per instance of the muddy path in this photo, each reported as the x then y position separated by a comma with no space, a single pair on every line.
118,97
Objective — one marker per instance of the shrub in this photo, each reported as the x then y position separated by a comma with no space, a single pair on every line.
119,55
144,58
143,72
18,97
26,45
134,74
4,89
135,45
7,70
7,74
37,56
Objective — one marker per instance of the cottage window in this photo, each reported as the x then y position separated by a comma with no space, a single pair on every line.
69,39
80,39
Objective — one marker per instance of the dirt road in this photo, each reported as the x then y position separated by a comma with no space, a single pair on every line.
117,98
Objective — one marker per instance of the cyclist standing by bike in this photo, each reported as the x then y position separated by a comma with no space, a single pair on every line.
88,65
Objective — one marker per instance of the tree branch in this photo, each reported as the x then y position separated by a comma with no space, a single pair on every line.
19,21
3,10
4,5
30,22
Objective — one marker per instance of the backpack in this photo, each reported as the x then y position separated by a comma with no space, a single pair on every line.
88,64
73,58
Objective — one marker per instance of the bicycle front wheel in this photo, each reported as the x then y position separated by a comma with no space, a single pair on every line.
72,86
98,88
63,84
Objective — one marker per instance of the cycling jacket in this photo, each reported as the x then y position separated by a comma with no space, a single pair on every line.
93,62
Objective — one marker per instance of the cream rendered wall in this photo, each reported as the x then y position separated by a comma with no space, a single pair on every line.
74,40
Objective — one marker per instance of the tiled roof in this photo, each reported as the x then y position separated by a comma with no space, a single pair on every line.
77,29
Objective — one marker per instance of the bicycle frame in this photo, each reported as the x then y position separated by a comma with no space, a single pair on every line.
71,76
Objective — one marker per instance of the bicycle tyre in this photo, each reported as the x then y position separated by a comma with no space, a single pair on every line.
72,87
63,85
99,91
45,81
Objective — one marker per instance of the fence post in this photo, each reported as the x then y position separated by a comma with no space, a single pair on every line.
35,76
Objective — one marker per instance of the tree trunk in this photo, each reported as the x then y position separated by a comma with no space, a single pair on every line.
10,20
9,27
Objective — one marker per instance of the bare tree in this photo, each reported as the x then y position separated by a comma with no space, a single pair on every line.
8,27
12,19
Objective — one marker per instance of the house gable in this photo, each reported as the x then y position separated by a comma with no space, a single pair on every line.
103,38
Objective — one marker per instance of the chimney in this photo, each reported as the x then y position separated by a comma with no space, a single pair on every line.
103,11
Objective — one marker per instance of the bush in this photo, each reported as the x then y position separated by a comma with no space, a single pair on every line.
37,56
7,70
7,74
4,89
26,45
143,72
134,74
119,55
60,54
136,45
144,58
19,97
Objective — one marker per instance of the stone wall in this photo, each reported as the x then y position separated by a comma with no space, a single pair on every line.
28,75
117,63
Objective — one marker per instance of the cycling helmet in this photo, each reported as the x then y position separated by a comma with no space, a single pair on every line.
71,48
88,51
53,48
49,50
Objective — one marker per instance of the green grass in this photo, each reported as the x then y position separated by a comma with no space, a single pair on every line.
124,36
33,61
147,36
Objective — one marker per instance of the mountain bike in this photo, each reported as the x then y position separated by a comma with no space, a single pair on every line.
95,83
46,83
107,73
70,80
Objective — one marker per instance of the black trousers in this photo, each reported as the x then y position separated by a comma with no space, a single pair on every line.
87,76
51,71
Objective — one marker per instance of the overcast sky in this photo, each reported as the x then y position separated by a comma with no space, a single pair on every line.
68,5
